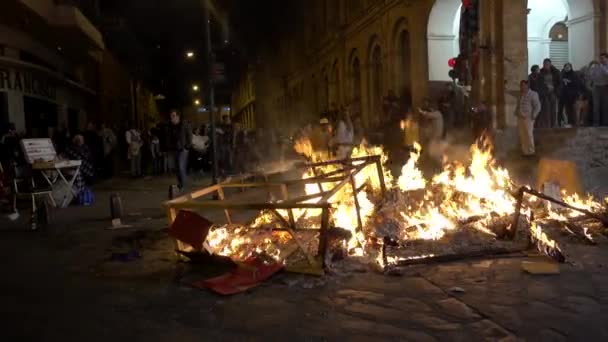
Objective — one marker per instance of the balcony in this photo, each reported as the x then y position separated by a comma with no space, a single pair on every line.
70,23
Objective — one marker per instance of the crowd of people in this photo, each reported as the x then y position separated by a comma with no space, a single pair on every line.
550,98
571,98
170,147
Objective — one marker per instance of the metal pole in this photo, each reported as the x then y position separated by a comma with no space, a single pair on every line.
210,60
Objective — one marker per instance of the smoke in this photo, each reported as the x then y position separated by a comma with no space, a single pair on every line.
455,147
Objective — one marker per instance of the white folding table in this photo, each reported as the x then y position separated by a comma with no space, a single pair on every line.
41,154
60,167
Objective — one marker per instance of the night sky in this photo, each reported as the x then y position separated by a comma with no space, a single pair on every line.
152,36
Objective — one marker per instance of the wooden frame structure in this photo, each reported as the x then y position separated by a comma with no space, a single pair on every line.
347,170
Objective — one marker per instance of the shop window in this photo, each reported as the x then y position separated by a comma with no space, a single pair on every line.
40,115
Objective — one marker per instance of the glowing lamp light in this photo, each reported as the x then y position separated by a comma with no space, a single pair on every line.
197,102
452,62
195,87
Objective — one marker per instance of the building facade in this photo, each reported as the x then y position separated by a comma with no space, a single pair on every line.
55,72
355,51
49,57
243,101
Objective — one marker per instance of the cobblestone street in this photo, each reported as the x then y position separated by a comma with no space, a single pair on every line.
59,285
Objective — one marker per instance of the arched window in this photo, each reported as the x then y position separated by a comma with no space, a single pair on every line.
356,86
376,82
404,78
558,49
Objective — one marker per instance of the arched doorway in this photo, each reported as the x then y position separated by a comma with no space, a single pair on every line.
324,89
404,78
356,86
375,82
442,37
577,16
542,17
558,49
334,85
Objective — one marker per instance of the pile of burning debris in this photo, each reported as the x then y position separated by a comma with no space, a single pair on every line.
476,210
354,207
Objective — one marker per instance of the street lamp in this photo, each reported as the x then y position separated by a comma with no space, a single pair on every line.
197,102
189,54
195,87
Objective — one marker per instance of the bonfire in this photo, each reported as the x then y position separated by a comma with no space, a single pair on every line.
470,207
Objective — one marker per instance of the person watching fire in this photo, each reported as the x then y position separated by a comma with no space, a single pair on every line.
527,110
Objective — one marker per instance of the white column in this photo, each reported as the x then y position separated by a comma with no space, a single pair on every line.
515,47
538,50
441,48
581,32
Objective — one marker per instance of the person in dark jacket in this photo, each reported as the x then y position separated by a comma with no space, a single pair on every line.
181,141
80,151
535,81
551,83
570,90
95,145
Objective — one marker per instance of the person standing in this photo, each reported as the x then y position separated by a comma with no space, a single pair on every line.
570,90
79,150
181,138
434,122
551,84
345,135
599,77
240,148
164,144
226,145
134,144
535,82
321,137
527,110
446,106
95,145
483,123
390,107
433,142
109,142
155,152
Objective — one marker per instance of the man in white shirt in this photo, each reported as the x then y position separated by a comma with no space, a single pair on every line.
599,77
527,110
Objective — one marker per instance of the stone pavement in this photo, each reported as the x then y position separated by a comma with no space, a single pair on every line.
58,285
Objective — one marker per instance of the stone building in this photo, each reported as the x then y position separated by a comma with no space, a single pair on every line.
355,51
49,54
243,101
55,72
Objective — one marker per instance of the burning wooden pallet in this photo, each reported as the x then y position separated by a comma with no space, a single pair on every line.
295,216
